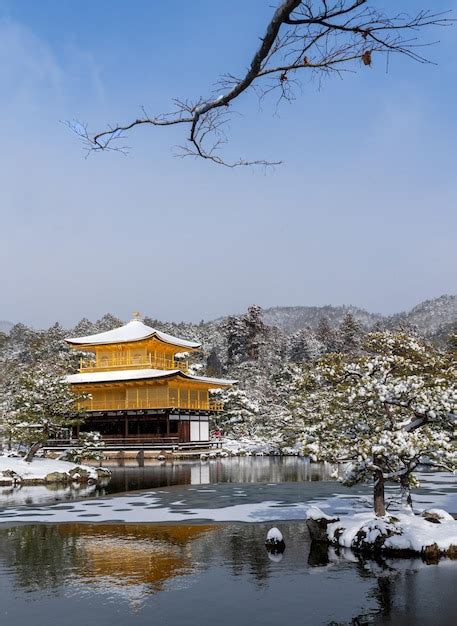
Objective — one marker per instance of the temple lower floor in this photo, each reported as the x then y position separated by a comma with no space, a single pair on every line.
147,426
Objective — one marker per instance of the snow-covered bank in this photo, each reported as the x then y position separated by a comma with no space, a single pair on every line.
432,534
14,470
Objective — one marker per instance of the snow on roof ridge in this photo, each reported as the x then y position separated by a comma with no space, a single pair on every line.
134,330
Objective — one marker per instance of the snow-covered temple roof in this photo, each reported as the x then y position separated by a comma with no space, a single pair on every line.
135,330
126,375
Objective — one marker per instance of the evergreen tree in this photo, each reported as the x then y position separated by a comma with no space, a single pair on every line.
304,346
108,322
240,415
326,335
90,447
37,405
384,412
349,334
84,328
53,344
256,331
378,327
214,364
235,336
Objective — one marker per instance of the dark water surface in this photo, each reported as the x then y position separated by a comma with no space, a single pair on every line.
221,574
76,572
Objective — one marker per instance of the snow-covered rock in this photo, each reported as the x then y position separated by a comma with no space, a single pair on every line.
400,534
274,535
436,515
317,522
315,513
275,541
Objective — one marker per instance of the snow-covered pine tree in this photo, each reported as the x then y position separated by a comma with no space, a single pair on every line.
90,447
256,332
349,334
214,365
326,335
240,415
378,327
23,344
303,346
53,346
37,405
235,337
83,328
383,412
107,322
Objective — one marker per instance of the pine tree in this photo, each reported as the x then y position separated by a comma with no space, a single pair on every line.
256,331
214,364
235,336
53,344
349,334
84,328
326,335
384,412
37,405
304,346
108,322
240,415
90,447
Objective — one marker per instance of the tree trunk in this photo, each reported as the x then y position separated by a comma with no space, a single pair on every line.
406,499
378,493
33,450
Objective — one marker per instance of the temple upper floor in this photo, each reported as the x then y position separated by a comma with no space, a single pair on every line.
132,346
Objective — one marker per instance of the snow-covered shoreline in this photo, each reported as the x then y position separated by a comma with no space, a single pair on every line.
433,534
15,470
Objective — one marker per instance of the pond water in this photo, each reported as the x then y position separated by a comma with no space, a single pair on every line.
133,575
302,478
183,543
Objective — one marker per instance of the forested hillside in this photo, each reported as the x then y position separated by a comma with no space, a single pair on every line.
266,358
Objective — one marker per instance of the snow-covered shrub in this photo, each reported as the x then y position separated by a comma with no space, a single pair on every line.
90,447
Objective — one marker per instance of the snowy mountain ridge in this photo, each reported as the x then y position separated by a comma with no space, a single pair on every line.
431,317
291,319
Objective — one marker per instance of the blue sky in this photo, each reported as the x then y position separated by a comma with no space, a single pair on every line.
362,211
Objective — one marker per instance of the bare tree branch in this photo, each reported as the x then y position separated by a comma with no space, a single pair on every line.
314,36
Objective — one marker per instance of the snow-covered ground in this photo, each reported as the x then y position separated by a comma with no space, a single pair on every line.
39,468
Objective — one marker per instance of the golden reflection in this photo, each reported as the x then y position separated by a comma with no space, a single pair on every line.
119,555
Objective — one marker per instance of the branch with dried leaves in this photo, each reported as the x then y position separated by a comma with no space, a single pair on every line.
317,38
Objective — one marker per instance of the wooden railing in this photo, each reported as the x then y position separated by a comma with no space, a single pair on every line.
150,361
124,405
216,405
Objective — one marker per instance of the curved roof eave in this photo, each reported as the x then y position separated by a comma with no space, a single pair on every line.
138,375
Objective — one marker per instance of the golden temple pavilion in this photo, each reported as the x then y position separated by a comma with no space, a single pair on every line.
136,387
